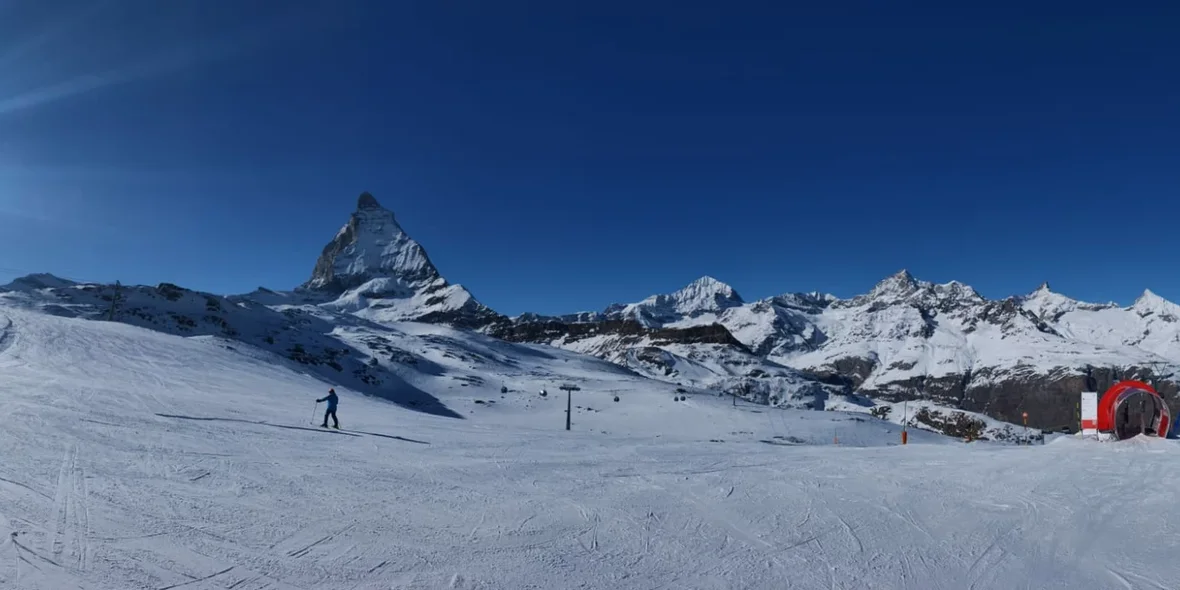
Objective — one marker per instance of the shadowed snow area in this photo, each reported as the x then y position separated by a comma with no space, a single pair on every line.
137,459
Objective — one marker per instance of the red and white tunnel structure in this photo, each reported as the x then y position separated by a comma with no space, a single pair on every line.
1129,409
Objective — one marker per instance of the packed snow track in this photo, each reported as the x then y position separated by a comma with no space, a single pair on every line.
135,459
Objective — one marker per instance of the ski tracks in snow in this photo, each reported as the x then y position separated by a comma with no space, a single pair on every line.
10,557
301,545
68,540
1125,579
593,520
63,555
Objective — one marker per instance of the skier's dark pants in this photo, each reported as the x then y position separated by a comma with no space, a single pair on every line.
331,413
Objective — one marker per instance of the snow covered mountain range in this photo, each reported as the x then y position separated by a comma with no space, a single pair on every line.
911,339
363,319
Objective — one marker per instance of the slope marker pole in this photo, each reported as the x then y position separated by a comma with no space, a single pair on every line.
114,302
905,420
569,388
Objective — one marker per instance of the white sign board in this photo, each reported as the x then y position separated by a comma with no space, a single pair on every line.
1090,413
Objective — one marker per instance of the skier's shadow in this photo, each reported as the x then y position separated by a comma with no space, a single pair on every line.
287,426
401,438
357,434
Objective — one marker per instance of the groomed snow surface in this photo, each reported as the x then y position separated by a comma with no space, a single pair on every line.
136,459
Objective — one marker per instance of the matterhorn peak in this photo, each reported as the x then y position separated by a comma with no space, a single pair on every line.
367,201
371,245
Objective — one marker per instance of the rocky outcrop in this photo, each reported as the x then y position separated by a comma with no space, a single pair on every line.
550,331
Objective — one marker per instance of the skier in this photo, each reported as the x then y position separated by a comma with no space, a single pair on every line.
332,401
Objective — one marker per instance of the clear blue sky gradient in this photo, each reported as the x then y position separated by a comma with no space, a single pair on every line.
560,156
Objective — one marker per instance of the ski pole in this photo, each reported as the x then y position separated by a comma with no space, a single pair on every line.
315,411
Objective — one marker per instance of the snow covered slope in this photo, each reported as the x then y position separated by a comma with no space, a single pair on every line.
407,363
137,459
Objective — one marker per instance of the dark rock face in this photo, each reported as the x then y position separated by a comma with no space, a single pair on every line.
476,318
367,201
1051,400
847,372
552,330
945,391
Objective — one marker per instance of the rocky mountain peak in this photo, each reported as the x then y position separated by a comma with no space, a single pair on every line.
1046,300
1148,297
371,245
37,281
903,288
367,201
374,269
708,293
1149,303
899,284
705,295
958,292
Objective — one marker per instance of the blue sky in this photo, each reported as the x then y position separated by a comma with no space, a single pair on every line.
560,156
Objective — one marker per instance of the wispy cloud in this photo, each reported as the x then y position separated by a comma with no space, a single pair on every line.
25,215
83,172
54,31
160,63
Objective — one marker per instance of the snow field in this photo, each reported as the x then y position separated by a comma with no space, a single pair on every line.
135,459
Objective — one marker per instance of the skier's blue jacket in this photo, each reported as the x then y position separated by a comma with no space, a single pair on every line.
331,399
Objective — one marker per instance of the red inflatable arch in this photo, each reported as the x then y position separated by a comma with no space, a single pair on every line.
1130,408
